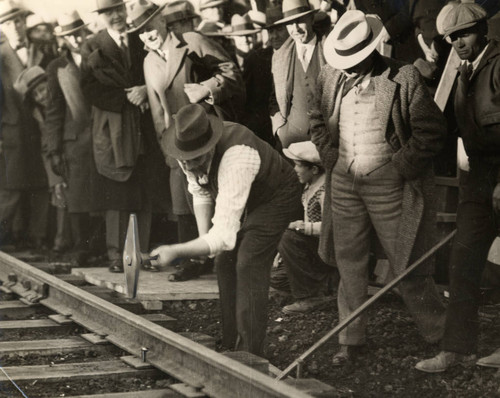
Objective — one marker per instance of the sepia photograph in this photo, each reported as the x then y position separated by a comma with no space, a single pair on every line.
249,198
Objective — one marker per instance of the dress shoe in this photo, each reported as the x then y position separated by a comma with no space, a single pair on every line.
191,269
491,361
443,361
307,305
116,266
347,353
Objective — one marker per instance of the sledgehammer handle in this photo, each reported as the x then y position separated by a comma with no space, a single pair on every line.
362,308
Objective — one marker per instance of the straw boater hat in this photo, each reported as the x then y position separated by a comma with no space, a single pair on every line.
211,3
69,23
193,133
141,12
28,80
180,10
462,16
295,9
304,151
354,37
104,5
9,10
242,25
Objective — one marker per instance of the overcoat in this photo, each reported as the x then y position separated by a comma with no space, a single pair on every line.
192,58
282,68
67,130
414,128
21,166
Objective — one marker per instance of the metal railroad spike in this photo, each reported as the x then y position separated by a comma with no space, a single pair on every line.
133,259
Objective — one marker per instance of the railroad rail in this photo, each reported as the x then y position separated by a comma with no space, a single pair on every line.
207,371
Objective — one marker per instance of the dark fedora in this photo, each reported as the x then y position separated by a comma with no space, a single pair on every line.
141,12
193,133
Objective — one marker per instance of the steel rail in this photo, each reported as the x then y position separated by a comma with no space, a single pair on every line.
210,372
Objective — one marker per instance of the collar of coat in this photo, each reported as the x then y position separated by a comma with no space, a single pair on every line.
491,52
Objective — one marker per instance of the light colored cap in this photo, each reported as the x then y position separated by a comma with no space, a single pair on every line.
463,16
305,151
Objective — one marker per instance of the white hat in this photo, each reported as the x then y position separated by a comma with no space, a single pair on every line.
354,37
305,151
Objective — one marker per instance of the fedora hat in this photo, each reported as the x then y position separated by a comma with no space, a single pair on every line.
193,133
295,9
462,16
34,20
9,10
354,37
242,25
273,14
104,5
204,4
303,151
28,79
179,11
141,12
210,28
69,23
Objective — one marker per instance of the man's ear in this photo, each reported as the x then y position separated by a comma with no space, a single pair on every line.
315,169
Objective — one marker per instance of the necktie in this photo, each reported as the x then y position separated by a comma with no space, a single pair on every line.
302,57
124,48
350,82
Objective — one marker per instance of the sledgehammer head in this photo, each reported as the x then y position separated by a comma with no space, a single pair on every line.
132,258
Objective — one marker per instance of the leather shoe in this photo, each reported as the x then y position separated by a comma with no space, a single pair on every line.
307,305
116,266
443,361
191,269
491,361
347,353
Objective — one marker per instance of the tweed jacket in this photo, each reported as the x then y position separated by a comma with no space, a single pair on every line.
282,69
192,58
20,158
67,129
414,128
116,123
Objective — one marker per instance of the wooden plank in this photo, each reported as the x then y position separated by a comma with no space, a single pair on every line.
312,387
15,309
200,338
75,280
161,319
74,371
30,324
447,80
50,268
44,347
187,391
131,305
135,362
250,360
134,394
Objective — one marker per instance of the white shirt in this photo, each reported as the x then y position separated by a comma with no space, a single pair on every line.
77,58
117,37
305,52
237,171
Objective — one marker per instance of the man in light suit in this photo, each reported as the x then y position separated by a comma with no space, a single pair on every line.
295,67
181,69
112,81
22,175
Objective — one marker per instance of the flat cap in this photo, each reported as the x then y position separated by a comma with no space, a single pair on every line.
463,16
305,151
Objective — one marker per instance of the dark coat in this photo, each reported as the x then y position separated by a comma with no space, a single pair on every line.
104,76
21,166
67,126
415,130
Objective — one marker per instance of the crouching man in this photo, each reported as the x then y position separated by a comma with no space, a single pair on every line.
245,195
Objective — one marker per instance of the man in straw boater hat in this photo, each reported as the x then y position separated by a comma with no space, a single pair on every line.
183,68
477,112
244,36
21,171
295,67
67,127
377,131
245,194
112,81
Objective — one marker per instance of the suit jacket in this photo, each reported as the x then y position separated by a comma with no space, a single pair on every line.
116,129
282,68
20,159
192,58
67,129
414,128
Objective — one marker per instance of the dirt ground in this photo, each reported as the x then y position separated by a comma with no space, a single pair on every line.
385,368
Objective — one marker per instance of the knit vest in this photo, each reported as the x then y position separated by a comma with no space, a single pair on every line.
304,88
363,147
274,172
